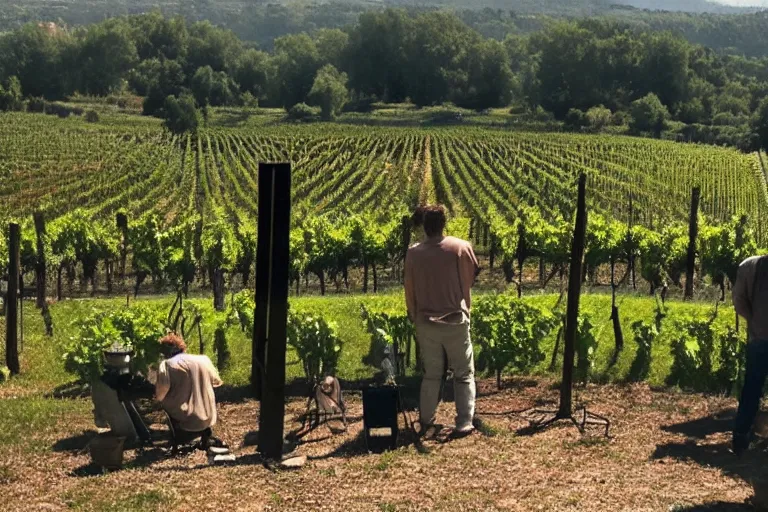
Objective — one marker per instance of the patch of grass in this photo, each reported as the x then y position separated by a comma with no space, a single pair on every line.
387,507
275,498
586,442
7,475
149,501
33,422
385,461
329,472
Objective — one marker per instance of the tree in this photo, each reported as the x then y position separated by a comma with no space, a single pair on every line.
376,55
331,46
157,37
329,91
181,114
202,84
295,66
566,74
648,115
212,46
252,71
598,117
37,58
168,81
11,98
438,52
106,55
760,123
490,81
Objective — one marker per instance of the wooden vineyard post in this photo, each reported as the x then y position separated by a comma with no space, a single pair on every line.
40,266
574,295
693,233
121,220
12,311
271,316
632,258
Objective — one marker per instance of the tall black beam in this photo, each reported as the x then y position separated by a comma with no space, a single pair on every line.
574,295
693,234
271,316
41,277
12,311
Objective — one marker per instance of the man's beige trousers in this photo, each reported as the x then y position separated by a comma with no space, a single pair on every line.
454,339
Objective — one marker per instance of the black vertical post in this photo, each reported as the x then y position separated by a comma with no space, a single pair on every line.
632,259
574,295
271,316
693,234
12,312
121,219
40,266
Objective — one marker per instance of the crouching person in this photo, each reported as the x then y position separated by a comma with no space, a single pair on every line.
184,388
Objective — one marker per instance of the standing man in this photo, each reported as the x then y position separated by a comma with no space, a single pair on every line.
750,298
439,274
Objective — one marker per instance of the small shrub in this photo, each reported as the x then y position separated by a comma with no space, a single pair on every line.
732,361
92,116
586,347
249,100
598,117
302,112
316,344
136,329
509,332
645,334
57,109
388,331
244,308
576,119
221,347
36,105
693,351
687,363
5,374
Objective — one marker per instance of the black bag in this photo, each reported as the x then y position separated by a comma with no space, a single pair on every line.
380,408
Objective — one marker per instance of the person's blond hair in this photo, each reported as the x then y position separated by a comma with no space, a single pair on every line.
172,343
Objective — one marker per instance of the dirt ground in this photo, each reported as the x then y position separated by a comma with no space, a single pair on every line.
666,451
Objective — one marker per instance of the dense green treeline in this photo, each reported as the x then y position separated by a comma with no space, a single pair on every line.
718,26
645,79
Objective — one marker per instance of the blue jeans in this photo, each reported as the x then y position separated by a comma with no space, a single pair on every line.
754,382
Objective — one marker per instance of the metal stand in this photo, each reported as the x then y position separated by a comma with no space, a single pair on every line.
541,419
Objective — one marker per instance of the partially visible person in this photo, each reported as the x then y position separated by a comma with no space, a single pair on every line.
184,387
439,274
750,298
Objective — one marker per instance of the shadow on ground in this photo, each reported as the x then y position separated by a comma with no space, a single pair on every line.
752,467
718,423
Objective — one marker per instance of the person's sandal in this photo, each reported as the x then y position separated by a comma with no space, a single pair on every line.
460,433
429,431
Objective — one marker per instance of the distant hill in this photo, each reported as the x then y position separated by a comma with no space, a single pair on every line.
592,7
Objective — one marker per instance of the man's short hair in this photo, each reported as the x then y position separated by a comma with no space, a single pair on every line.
172,344
434,220
418,217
